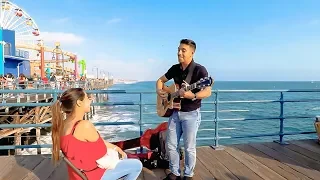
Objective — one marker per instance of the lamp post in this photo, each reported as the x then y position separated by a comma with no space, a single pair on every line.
18,68
55,55
96,68
103,73
41,53
2,59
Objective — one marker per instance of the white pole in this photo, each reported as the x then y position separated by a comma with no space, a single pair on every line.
19,68
2,46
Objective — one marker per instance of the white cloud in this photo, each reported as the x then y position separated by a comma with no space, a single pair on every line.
62,37
127,69
114,20
61,20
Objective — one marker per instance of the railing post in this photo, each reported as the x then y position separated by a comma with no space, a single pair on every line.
55,95
317,127
140,118
216,123
281,118
3,95
141,112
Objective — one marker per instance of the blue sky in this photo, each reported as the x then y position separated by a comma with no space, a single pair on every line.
236,40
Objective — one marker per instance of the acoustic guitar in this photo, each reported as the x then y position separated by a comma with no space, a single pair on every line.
165,107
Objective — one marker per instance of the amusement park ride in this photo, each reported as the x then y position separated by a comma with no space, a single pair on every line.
21,41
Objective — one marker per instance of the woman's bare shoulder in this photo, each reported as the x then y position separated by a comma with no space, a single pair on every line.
87,130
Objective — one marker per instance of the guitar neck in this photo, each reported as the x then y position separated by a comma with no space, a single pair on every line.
188,88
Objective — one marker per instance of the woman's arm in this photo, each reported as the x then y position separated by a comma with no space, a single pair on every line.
119,150
109,145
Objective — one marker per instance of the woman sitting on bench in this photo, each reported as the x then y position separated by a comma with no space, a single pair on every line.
82,144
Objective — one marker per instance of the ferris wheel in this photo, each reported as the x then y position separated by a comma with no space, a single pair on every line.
16,19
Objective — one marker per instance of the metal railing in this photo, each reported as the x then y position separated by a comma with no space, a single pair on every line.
214,121
61,84
8,91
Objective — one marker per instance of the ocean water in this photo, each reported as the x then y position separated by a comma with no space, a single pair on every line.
226,128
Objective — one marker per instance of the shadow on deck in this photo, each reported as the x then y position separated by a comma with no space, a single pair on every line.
299,160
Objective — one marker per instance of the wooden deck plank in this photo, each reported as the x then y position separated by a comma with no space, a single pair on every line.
8,165
253,164
59,172
218,170
22,168
140,177
313,174
305,152
236,167
296,156
149,174
202,172
42,171
160,173
277,166
243,161
17,171
311,145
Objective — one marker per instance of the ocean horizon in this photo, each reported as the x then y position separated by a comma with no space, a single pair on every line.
217,81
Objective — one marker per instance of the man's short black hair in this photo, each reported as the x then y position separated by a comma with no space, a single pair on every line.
189,42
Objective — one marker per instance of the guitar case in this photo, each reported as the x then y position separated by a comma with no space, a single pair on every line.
153,155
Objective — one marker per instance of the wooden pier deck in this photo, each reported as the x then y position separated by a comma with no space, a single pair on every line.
299,160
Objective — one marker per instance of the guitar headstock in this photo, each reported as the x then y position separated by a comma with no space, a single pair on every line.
204,82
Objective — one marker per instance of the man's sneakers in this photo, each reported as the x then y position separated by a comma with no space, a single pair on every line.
171,176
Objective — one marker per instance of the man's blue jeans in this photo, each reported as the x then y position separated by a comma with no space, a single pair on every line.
183,124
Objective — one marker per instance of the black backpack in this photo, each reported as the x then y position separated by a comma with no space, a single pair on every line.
160,157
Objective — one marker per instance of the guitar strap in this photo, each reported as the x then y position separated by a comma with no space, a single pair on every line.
191,69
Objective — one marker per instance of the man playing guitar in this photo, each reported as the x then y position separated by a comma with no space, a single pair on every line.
184,122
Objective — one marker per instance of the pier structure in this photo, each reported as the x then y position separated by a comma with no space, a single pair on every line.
23,50
280,154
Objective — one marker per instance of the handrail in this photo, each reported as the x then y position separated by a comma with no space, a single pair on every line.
109,91
216,102
61,84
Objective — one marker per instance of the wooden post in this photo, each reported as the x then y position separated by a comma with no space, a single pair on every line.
38,130
42,71
17,136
